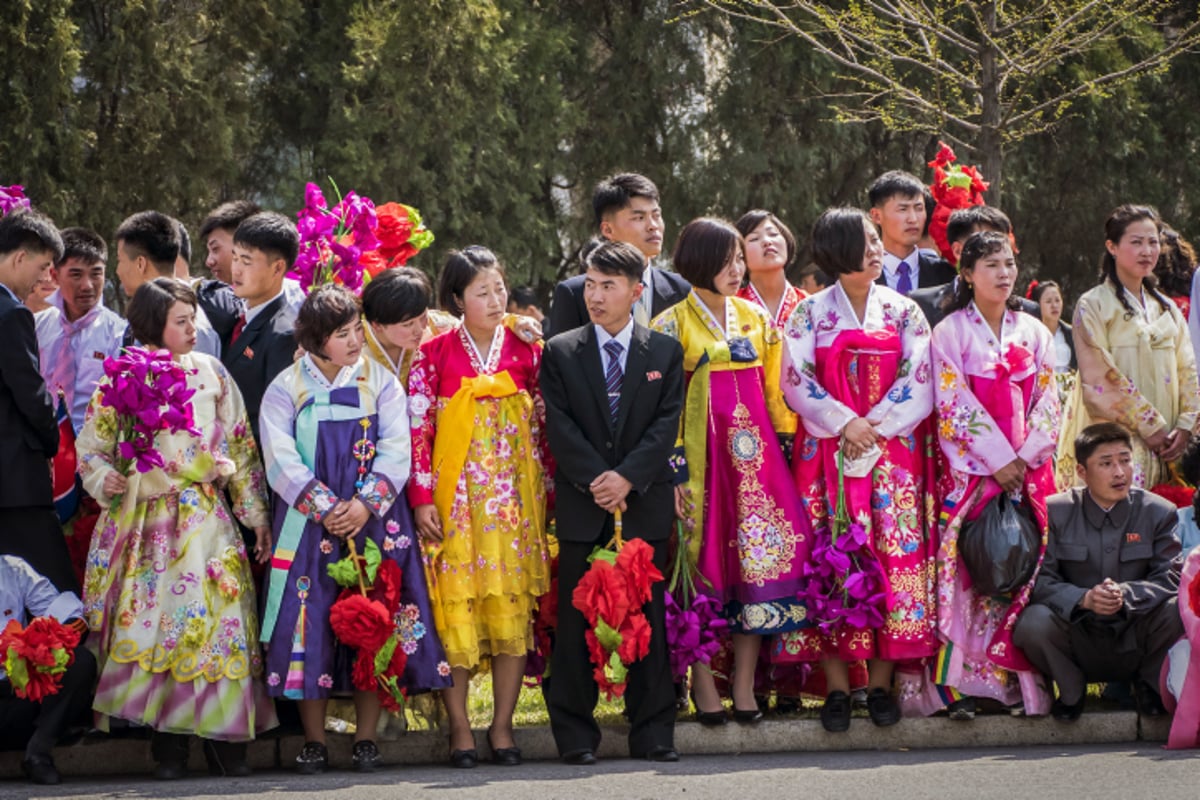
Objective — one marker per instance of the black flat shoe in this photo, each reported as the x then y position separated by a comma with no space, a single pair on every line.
835,714
747,717
504,756
313,759
711,719
1066,712
663,754
40,769
464,759
366,757
962,710
226,759
883,708
579,758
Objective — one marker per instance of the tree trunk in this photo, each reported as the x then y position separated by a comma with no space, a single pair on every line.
990,145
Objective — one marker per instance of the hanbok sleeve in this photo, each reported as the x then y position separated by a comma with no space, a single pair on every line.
782,417
1189,388
393,450
910,400
96,447
667,323
422,409
1107,393
247,485
292,479
969,436
1045,415
823,415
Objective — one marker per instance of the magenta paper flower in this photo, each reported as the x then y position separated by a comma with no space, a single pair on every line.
148,391
12,198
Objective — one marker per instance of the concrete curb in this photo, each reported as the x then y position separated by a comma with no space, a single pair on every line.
103,756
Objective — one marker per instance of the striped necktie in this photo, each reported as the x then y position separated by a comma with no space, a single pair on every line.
613,376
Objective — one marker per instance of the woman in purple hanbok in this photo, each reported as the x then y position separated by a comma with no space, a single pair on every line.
335,437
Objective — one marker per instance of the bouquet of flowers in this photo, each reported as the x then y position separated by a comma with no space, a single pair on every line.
611,595
364,617
149,393
545,620
12,198
954,186
354,241
695,626
846,585
36,656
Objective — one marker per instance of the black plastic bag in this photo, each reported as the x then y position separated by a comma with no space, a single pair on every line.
1000,547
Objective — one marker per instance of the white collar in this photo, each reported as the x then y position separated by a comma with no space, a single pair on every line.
251,313
623,337
913,259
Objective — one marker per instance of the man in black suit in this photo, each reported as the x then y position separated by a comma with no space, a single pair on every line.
613,392
627,210
962,223
252,316
898,208
29,246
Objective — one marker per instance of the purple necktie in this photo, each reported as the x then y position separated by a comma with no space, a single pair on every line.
613,376
904,284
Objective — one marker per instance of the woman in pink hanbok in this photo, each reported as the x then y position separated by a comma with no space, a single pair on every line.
998,417
856,369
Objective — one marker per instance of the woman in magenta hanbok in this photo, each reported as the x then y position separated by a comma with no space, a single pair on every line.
856,369
998,417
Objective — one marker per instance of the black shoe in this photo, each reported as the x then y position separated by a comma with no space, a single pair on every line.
464,759
786,705
962,710
504,756
170,750
1149,703
39,768
1066,712
835,714
711,719
579,758
663,754
313,759
226,759
365,757
882,707
747,717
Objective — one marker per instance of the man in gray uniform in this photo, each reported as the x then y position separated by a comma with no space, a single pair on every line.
1104,607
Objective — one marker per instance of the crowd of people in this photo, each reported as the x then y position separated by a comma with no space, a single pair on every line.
822,458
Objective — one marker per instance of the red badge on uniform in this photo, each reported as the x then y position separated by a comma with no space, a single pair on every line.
1133,538
653,375
248,353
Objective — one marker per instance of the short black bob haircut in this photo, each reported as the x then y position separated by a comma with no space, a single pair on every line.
839,240
703,249
150,306
397,295
326,309
459,271
272,233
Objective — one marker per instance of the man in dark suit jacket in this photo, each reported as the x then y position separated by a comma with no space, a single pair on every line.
898,209
1105,605
627,210
612,428
253,318
29,246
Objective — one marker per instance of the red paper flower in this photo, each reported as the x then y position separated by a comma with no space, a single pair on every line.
1181,496
635,638
602,594
386,590
636,561
363,674
360,622
1194,594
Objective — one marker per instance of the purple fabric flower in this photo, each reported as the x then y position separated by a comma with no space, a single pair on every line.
149,393
846,584
693,633
12,198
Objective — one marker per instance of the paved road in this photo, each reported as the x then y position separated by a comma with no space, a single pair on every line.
1045,773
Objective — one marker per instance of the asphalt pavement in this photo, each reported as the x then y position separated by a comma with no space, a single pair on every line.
1044,773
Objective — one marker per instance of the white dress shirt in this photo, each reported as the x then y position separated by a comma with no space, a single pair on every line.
72,353
891,264
624,336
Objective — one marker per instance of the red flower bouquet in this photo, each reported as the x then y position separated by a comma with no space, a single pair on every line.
611,596
355,240
1177,493
364,617
37,656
